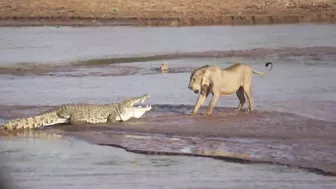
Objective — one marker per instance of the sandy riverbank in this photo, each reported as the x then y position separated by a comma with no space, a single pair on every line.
164,13
260,137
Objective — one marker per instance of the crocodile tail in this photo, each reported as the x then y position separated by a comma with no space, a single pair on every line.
47,119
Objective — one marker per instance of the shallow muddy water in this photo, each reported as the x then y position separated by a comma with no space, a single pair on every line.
289,87
302,82
58,163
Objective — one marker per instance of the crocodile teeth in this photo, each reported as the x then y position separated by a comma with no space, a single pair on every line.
139,106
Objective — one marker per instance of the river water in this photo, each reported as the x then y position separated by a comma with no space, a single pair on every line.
65,163
302,81
48,44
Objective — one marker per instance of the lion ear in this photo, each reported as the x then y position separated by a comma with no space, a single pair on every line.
203,71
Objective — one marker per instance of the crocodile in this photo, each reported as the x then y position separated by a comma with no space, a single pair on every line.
82,113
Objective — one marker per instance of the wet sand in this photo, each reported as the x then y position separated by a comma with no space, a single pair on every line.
80,70
165,13
259,137
116,67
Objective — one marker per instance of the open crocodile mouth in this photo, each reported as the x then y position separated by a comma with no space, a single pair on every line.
135,108
139,107
139,104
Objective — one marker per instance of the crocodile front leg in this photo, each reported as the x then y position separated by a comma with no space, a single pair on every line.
112,118
74,120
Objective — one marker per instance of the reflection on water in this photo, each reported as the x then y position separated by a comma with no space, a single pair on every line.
58,163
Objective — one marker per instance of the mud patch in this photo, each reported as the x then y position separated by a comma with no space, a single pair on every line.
67,70
31,68
114,66
317,53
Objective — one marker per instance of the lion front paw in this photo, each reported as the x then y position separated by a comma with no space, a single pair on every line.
207,113
190,113
249,110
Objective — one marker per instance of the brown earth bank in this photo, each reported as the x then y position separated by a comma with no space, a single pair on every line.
258,137
163,13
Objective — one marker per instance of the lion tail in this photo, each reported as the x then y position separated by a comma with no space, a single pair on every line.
264,73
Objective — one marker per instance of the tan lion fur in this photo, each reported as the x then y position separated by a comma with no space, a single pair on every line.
164,67
217,81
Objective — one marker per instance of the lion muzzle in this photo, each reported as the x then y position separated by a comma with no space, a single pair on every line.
195,90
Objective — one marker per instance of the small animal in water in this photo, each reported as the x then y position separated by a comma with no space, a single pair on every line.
217,81
164,67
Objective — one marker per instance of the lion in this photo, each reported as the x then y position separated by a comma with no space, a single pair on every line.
164,67
217,81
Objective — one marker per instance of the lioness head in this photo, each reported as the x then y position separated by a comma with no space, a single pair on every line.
164,67
196,78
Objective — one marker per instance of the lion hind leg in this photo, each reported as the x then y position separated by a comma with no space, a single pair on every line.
249,96
241,97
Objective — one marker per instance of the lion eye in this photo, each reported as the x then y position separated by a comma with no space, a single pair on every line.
193,79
